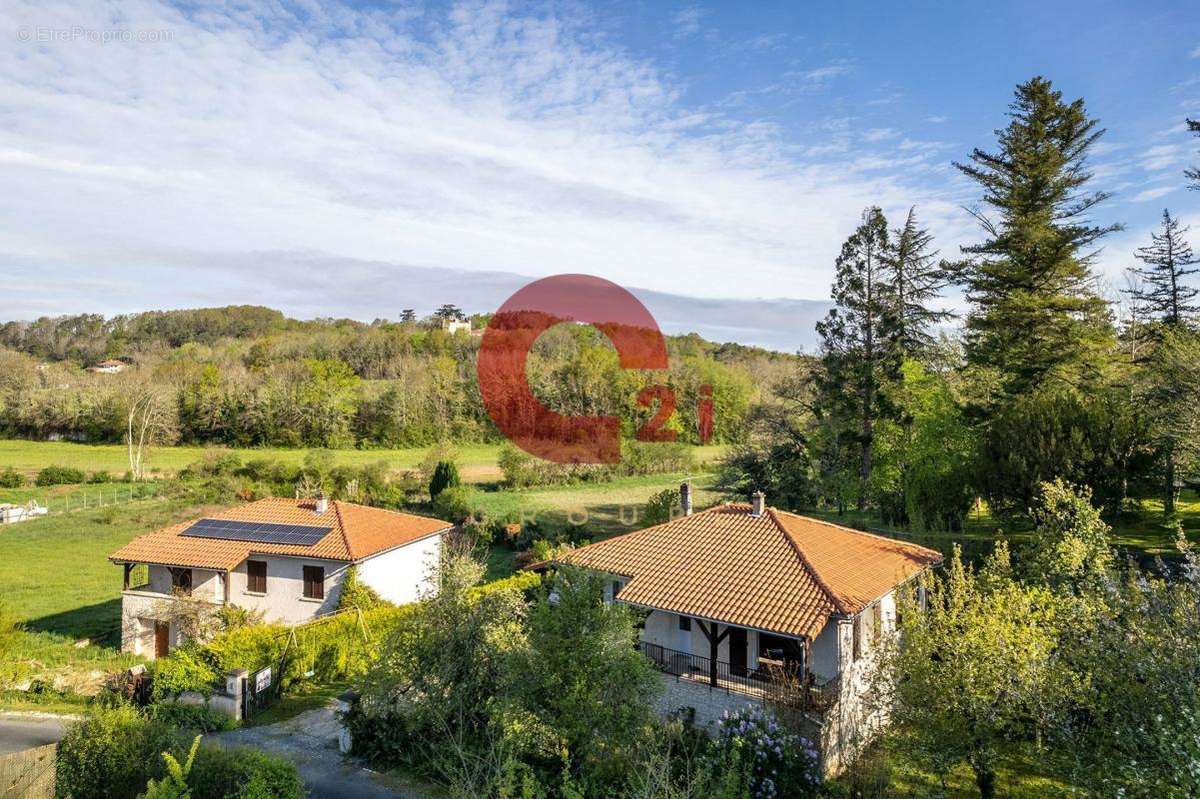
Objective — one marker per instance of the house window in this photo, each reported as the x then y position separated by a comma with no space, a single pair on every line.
616,586
876,622
314,582
685,623
857,636
181,581
256,576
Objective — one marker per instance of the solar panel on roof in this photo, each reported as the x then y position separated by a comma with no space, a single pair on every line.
301,535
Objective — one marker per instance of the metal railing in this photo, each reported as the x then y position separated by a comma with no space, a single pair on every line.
783,685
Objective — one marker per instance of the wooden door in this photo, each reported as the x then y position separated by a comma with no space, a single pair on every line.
162,638
737,651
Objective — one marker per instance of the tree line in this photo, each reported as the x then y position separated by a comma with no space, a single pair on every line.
1046,377
249,376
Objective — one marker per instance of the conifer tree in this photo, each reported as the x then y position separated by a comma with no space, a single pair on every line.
859,351
915,276
1163,293
1034,308
1193,174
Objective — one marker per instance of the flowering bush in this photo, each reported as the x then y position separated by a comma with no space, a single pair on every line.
754,751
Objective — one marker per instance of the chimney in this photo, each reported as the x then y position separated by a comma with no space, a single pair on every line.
685,498
322,504
758,501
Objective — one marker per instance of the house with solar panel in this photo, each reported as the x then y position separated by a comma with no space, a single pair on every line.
746,604
285,558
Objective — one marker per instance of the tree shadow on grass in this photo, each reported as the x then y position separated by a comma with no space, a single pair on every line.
100,622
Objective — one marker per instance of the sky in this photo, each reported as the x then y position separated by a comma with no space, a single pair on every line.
339,160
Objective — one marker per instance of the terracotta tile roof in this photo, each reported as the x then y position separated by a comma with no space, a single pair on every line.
356,532
778,572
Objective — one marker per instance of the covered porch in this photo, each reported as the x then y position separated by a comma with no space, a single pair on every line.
737,659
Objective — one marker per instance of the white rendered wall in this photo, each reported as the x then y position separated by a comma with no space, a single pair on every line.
402,574
284,600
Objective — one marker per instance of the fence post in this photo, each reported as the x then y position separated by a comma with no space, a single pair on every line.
235,686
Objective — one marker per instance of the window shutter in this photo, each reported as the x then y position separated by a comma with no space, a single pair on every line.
314,582
256,576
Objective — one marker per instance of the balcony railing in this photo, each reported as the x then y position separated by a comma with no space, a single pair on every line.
773,682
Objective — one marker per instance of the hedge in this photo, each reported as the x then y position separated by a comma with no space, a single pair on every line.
334,648
112,752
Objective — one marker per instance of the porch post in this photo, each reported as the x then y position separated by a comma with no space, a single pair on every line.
714,641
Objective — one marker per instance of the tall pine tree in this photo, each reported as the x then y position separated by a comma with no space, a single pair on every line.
859,351
1194,173
1034,308
1163,293
915,277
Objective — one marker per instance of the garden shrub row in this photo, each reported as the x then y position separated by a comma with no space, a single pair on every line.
113,752
57,476
522,470
336,648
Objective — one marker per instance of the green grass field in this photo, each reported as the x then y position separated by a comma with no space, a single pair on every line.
885,772
1143,533
477,462
63,592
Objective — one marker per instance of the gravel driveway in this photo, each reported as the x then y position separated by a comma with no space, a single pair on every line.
310,741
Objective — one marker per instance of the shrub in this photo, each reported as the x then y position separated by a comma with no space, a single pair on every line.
445,475
111,754
175,784
519,467
753,750
243,774
11,478
660,507
187,669
200,718
96,478
453,504
60,475
356,593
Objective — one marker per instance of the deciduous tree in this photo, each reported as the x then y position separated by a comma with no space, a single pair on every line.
975,670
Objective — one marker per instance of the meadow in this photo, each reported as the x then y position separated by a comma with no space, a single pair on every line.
476,462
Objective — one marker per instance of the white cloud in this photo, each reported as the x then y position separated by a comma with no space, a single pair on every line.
879,134
1162,156
937,119
1195,53
822,75
480,140
687,21
1152,194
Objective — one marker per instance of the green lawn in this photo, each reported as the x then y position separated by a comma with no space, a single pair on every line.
1144,532
477,462
63,591
1022,775
596,510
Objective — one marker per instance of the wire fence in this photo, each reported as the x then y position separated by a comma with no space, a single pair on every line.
103,495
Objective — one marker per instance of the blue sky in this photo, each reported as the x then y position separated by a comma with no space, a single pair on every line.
353,160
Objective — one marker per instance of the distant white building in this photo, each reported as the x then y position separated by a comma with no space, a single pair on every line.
286,558
452,327
10,514
109,367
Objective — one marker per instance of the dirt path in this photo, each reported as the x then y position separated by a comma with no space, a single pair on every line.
310,741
